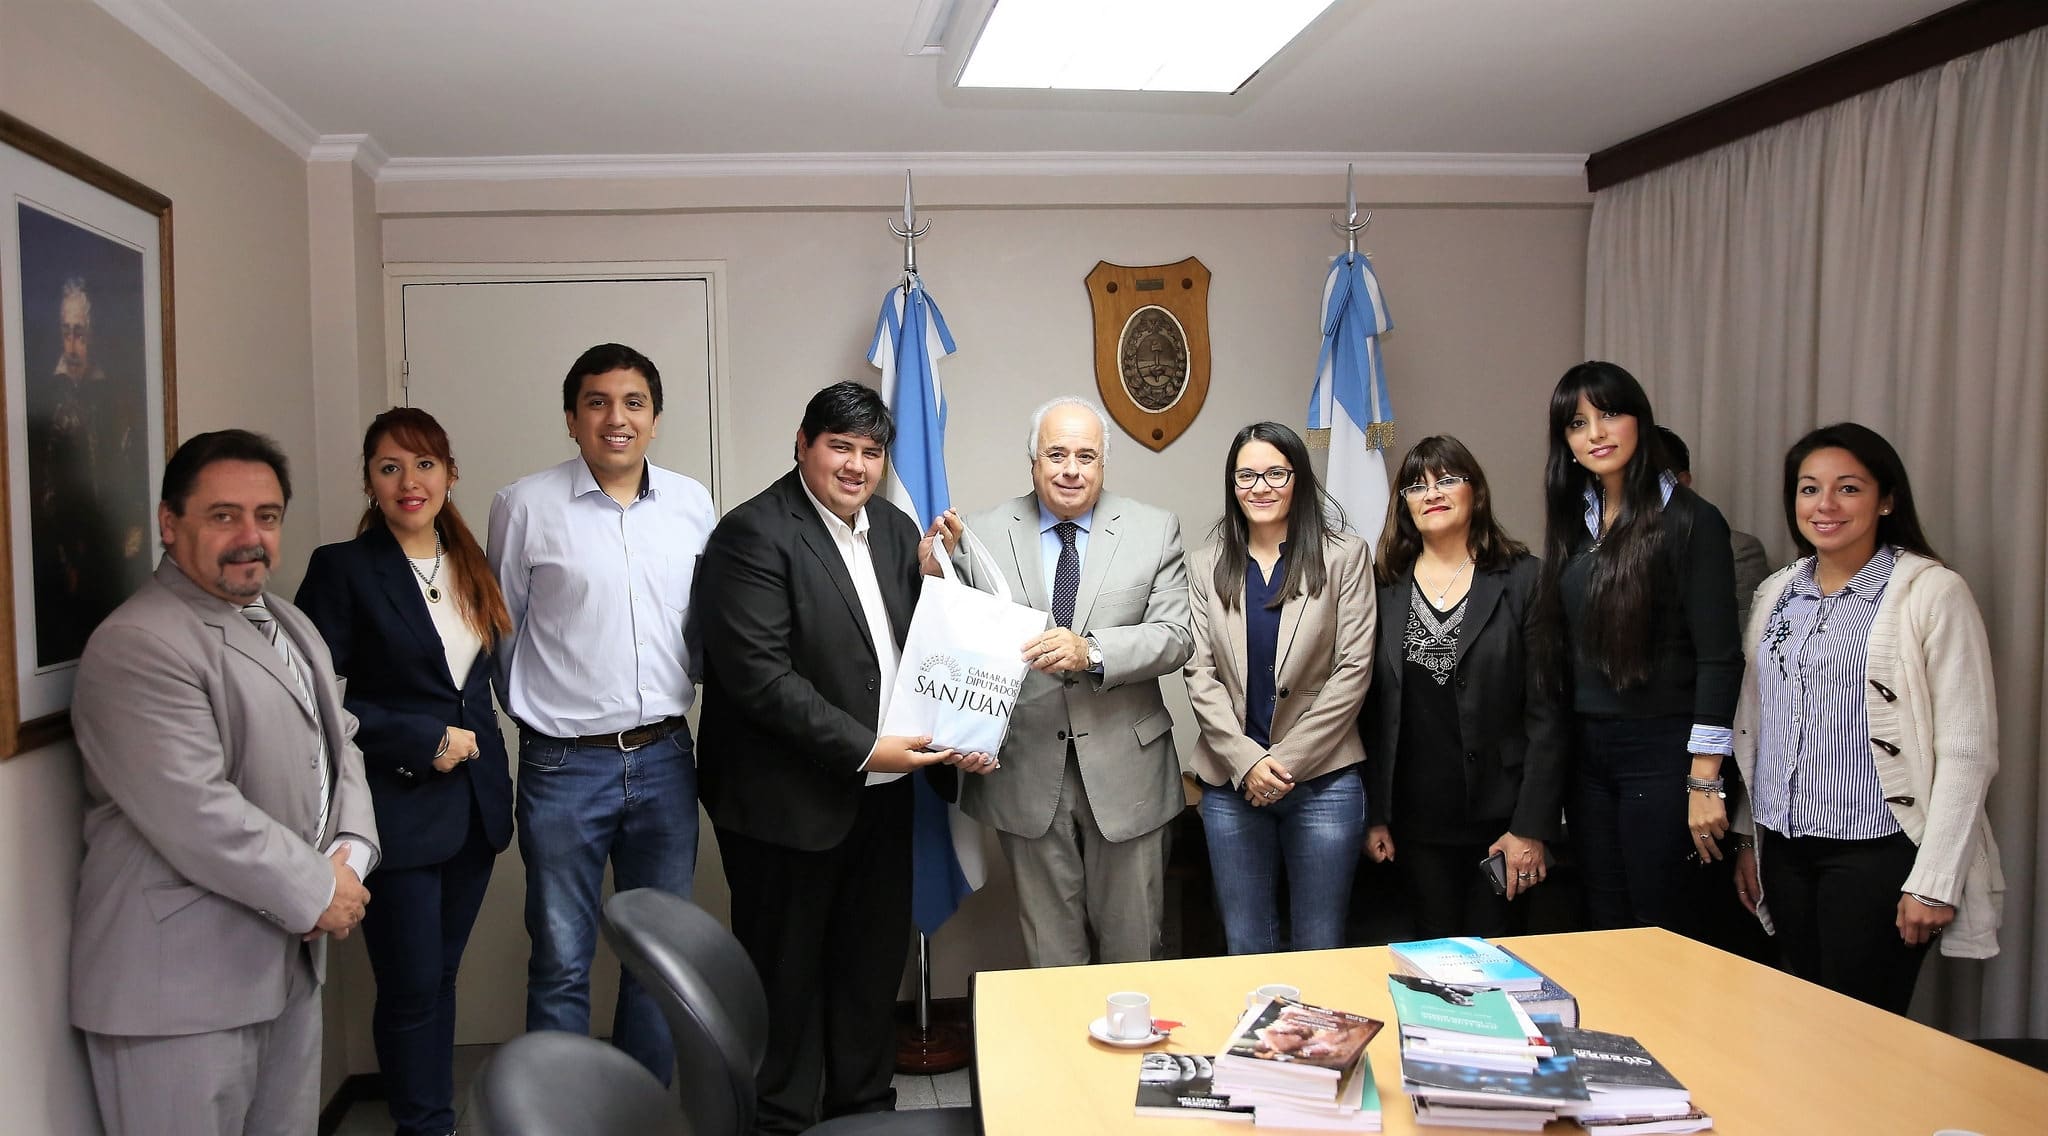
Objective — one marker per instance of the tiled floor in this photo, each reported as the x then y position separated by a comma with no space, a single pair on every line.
371,1118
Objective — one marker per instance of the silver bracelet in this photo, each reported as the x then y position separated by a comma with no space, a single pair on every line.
1713,785
1925,901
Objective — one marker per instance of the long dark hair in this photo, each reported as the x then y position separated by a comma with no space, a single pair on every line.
1615,634
1901,527
475,588
1486,542
1312,518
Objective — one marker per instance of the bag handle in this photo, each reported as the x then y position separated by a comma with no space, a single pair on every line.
980,553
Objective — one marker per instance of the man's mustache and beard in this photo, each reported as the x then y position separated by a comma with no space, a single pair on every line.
247,554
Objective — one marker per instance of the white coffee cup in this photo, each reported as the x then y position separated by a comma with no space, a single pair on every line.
1272,991
1129,1015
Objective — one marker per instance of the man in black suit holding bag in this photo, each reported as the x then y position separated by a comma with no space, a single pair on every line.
806,593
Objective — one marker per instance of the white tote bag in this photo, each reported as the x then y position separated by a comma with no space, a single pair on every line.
963,661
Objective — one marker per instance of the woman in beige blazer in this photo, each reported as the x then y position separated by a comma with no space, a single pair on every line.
1283,614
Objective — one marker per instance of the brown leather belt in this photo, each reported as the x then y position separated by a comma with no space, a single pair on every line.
625,741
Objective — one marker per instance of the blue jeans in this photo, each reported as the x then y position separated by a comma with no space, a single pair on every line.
579,805
1317,830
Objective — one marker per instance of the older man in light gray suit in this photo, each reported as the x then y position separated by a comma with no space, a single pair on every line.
1089,779
227,824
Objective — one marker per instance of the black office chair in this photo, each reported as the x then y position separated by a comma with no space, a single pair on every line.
564,1084
711,996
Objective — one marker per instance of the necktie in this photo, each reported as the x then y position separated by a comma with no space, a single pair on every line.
258,613
1066,576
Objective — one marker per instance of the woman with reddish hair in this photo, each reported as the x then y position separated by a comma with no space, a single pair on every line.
412,614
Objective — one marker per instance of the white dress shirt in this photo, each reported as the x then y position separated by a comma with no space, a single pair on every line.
599,594
852,542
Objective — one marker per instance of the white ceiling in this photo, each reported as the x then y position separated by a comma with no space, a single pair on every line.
471,78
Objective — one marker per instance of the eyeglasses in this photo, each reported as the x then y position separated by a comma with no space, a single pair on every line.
1277,477
1444,484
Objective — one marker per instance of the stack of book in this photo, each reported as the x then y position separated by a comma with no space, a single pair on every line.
1471,1057
1287,1064
1628,1091
1476,962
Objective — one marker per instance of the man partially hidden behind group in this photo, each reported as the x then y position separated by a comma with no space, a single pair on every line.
88,496
227,824
806,596
1089,780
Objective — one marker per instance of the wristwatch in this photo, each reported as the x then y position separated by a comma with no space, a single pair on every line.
1094,657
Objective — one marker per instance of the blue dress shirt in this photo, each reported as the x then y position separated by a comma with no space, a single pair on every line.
599,594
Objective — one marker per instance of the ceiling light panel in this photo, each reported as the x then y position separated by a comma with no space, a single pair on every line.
1133,45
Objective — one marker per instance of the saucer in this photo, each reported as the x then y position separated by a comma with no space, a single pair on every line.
1099,1030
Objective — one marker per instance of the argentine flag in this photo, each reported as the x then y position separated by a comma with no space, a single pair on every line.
910,338
1350,398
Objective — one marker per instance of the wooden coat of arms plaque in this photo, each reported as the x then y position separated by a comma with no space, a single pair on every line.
1151,346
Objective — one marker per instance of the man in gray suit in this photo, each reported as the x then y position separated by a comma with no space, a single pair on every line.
1088,778
227,823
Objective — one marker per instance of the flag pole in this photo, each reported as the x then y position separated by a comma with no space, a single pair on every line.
923,1049
1350,226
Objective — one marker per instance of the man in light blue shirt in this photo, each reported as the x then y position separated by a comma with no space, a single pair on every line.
596,557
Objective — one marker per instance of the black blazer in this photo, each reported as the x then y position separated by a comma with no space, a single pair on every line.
362,596
792,683
1514,757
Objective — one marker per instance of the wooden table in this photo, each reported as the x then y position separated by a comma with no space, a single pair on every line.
1762,1052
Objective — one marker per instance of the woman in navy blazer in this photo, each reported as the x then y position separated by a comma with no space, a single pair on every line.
412,614
1464,747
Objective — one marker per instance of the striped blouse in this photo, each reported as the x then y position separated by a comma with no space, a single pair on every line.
1814,774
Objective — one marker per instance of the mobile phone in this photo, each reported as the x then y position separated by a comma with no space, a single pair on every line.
1495,869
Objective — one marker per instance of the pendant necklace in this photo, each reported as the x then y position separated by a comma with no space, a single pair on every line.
427,580
1452,583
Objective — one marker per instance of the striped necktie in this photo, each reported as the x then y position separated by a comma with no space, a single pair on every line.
258,613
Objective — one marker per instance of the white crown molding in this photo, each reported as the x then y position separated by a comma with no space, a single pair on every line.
169,33
358,148
571,167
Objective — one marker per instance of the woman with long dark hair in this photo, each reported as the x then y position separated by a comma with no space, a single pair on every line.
413,616
1464,757
1638,602
1283,615
1866,734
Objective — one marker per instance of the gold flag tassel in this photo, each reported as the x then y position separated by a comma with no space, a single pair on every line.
1379,435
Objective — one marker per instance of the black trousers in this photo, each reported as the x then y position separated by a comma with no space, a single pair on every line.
1836,905
1628,822
1447,893
415,929
828,931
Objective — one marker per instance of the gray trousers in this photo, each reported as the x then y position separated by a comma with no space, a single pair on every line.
256,1080
1073,881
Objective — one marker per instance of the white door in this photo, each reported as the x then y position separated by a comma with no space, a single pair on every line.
487,358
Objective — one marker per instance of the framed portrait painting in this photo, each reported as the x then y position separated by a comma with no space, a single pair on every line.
85,338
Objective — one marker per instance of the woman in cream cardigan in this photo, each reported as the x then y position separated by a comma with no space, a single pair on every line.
1866,734
1282,606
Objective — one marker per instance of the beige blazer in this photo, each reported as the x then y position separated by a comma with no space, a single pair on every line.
1323,666
202,859
1133,601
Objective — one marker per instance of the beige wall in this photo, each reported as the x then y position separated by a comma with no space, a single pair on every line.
1486,287
242,354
